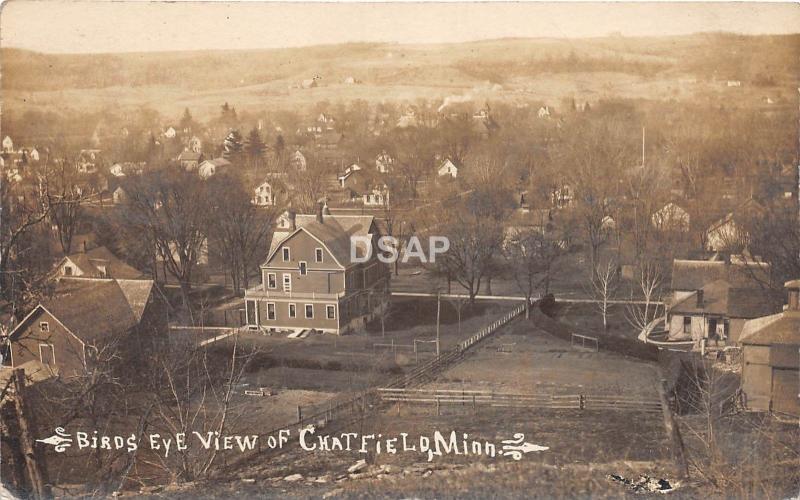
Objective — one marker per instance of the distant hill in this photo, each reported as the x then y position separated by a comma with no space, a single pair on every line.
392,71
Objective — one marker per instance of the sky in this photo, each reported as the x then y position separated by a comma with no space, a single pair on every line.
140,26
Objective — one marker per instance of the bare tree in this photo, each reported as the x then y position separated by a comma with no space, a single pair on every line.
193,391
604,288
241,229
530,255
171,210
65,197
649,283
474,243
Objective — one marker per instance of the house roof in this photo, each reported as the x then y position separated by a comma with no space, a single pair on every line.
781,328
334,232
89,261
721,298
694,274
189,156
93,309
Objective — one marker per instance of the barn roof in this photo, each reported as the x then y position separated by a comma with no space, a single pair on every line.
94,309
781,328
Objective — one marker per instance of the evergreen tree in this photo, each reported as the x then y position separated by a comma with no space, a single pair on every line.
187,121
233,146
255,148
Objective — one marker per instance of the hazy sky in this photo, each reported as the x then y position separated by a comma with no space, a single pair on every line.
103,26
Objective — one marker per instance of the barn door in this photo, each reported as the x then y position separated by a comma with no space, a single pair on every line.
47,354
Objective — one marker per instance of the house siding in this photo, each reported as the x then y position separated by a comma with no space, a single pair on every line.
69,351
282,320
770,379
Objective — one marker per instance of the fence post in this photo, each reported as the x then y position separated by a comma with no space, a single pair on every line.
474,407
299,414
438,410
582,402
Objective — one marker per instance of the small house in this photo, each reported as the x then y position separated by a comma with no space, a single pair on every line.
98,262
671,218
117,170
265,194
119,196
297,161
170,133
448,168
384,163
190,160
378,196
208,168
712,300
544,112
8,145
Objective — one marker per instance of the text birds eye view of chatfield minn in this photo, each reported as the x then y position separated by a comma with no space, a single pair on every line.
340,250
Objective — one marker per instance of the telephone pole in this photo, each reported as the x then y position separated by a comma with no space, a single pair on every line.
438,311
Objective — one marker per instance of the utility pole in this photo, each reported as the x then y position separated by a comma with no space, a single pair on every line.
643,147
438,311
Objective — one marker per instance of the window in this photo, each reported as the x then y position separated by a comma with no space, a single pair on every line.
287,282
67,270
309,311
292,310
330,311
303,268
287,256
44,326
270,310
318,254
272,280
687,324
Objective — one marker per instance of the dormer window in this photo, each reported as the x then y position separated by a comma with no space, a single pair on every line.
67,270
44,326
318,254
287,256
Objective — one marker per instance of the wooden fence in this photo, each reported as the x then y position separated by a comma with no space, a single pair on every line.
351,406
468,398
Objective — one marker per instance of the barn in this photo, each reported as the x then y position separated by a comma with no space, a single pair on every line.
771,357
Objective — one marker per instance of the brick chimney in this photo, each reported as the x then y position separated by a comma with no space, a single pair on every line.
320,219
700,302
793,304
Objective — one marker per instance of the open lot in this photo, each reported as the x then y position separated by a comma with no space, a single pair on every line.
524,358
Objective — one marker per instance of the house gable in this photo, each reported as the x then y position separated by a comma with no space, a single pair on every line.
303,247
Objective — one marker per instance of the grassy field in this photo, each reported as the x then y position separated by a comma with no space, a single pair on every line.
526,359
